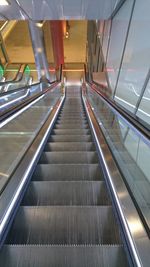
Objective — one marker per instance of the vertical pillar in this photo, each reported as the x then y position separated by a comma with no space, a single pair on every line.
37,39
57,41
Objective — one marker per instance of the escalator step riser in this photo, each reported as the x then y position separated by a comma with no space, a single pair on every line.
68,157
63,120
73,118
71,126
73,109
66,194
73,122
70,138
72,172
70,132
73,113
63,256
71,146
64,225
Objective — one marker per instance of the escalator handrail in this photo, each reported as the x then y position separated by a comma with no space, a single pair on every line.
19,89
130,120
15,79
28,86
12,110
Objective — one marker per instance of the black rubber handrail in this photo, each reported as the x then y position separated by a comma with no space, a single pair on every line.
15,80
28,86
132,120
18,90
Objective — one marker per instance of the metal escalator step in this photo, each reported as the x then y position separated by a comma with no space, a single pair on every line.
71,126
75,120
66,119
83,193
71,146
69,116
71,172
71,131
73,108
74,105
72,121
78,111
63,256
70,138
69,157
75,114
59,225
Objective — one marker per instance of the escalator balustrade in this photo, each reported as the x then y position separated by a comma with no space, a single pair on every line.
66,217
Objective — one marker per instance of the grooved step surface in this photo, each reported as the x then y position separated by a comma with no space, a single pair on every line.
66,193
64,225
71,126
63,256
72,114
71,172
71,146
69,157
73,122
70,138
71,131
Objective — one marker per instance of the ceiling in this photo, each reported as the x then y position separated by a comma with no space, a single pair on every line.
58,9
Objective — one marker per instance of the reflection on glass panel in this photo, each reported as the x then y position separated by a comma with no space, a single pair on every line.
136,57
130,150
106,37
144,108
101,30
144,158
17,135
117,39
131,142
123,128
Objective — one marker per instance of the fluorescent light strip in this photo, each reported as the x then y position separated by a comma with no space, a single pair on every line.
4,3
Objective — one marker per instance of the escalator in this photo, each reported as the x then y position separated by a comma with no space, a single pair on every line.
15,76
66,217
11,71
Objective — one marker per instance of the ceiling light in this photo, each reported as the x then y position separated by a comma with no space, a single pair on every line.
39,24
67,35
4,3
